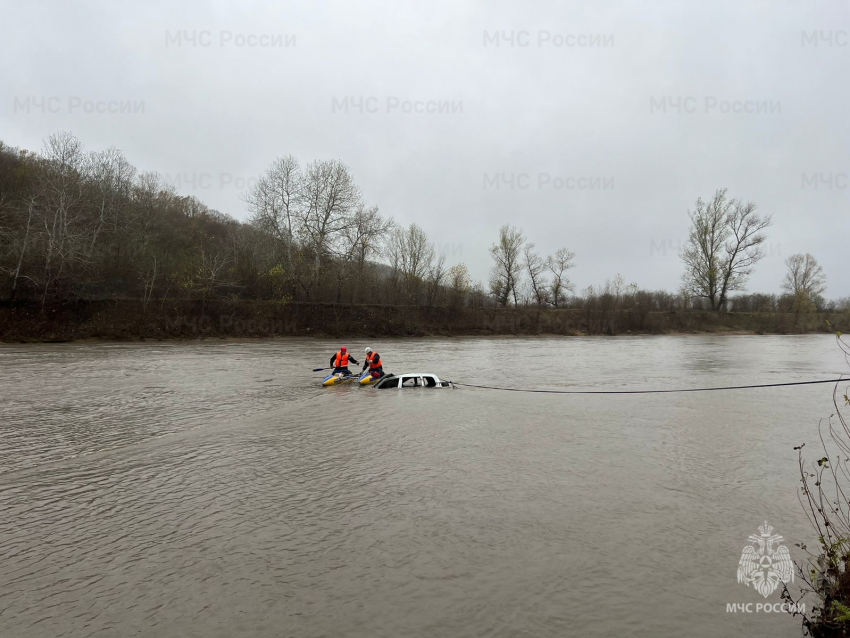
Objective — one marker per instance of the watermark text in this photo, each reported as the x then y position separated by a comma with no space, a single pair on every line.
688,105
76,104
547,39
392,105
229,39
546,181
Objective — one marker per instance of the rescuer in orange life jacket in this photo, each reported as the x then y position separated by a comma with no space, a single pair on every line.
374,363
340,360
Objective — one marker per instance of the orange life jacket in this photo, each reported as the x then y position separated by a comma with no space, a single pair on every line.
374,360
341,360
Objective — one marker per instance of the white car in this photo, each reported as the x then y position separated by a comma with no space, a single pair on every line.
412,380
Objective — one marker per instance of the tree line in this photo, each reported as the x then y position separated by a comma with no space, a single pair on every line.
724,245
88,224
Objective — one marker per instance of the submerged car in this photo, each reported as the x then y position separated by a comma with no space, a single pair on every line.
412,380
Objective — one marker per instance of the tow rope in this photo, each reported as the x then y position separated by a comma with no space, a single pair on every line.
728,387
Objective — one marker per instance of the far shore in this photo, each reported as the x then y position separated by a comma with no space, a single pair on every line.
128,321
248,339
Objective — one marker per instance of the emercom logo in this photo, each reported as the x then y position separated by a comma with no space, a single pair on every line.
764,563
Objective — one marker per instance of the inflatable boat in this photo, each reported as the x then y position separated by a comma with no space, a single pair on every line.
338,379
367,379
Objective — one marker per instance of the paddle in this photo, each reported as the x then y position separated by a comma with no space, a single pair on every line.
353,374
321,369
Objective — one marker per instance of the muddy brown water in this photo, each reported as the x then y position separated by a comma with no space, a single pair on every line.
214,489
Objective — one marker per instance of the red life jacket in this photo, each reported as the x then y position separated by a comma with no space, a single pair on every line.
374,360
341,360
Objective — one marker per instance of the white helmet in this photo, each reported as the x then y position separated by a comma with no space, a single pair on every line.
368,350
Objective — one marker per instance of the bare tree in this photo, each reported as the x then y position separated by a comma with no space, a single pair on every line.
805,276
148,278
681,300
148,199
363,241
60,193
459,283
621,290
111,177
724,244
436,274
743,250
411,256
16,273
535,266
212,265
277,205
478,295
331,197
506,273
702,254
558,264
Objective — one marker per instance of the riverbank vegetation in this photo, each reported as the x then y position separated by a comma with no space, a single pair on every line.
192,319
825,496
82,230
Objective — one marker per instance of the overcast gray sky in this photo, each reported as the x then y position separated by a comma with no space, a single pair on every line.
591,125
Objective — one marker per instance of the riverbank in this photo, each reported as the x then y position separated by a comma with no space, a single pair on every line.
128,320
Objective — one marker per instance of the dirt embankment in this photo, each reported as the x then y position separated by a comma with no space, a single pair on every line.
128,320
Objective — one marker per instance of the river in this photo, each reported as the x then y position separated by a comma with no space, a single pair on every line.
213,489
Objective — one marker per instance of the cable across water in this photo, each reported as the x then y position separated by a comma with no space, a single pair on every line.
729,387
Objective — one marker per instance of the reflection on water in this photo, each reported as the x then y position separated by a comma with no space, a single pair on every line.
214,489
